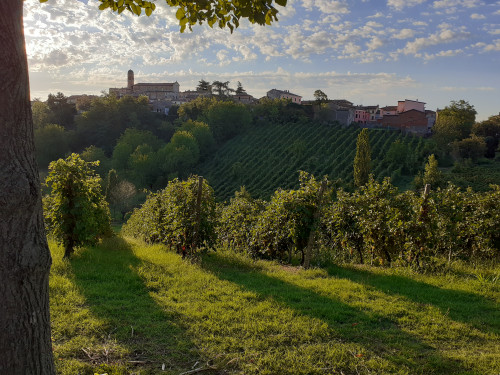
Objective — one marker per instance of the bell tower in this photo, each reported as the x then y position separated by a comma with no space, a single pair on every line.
130,80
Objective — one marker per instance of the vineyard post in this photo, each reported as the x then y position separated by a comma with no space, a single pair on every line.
198,212
310,242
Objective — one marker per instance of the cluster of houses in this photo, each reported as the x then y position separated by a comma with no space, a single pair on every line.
409,116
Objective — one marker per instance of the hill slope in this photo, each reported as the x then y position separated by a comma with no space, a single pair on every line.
268,157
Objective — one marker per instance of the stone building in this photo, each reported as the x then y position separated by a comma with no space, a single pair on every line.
154,91
161,95
284,94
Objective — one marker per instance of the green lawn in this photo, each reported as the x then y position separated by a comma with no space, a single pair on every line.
127,308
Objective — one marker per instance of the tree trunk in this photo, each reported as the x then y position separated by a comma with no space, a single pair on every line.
25,342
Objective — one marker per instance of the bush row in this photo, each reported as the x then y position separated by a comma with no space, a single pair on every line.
375,224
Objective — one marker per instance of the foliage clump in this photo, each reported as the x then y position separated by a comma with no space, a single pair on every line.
284,226
172,216
76,212
237,220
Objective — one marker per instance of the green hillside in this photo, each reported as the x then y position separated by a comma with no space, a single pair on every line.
269,157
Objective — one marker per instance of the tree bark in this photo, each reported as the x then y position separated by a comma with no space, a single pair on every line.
25,342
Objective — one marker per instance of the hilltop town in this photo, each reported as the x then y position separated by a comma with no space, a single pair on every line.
409,116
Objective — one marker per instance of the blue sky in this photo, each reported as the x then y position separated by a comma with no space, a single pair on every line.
367,51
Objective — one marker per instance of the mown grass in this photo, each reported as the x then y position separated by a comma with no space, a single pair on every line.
127,308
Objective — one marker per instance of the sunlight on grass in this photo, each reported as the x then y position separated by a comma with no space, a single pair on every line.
80,338
146,307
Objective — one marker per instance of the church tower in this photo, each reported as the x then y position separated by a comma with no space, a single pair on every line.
130,80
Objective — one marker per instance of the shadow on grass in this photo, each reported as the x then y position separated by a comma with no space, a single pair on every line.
468,308
116,294
373,331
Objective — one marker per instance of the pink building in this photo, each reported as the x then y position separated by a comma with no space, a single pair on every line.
361,116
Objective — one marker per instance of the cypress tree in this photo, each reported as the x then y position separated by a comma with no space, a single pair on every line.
362,159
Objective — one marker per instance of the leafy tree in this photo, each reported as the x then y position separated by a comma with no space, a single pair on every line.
454,123
61,112
470,148
84,103
221,13
400,154
76,212
239,89
195,108
52,143
227,119
109,117
320,96
142,165
490,130
179,156
25,257
362,159
93,153
203,86
277,111
128,143
41,114
397,152
221,89
202,134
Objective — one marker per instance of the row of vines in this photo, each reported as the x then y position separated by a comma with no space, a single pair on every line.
375,224
268,157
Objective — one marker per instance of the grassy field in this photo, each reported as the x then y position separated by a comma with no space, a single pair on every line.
127,308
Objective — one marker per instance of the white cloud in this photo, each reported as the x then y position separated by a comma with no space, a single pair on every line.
404,34
477,16
494,47
288,11
448,53
327,6
458,88
401,4
375,43
454,3
441,37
